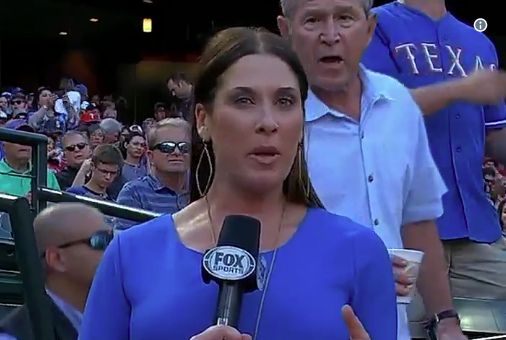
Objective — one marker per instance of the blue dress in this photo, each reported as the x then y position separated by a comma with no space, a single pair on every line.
149,286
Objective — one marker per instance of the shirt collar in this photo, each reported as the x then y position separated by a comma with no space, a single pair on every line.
155,183
75,317
5,168
372,92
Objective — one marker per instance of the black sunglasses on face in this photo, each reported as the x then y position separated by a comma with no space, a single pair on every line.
98,241
17,102
170,147
73,147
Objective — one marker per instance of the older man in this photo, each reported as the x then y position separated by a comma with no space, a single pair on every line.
71,238
164,190
368,153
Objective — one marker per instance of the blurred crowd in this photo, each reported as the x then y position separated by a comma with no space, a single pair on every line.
93,151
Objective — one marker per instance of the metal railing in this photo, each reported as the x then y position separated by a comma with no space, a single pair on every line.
38,173
30,265
107,208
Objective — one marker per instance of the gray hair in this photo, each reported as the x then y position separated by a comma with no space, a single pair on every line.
288,7
173,122
110,126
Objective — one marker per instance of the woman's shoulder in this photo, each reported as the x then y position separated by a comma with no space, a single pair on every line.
341,226
148,235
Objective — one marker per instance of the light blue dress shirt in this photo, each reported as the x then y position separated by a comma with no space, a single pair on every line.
377,171
75,317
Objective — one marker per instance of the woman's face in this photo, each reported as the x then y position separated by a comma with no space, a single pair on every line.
97,138
503,215
50,144
45,97
256,122
124,134
136,147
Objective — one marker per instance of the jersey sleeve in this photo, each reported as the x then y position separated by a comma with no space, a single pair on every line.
495,115
378,57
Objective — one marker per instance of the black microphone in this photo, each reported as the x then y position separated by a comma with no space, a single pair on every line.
233,265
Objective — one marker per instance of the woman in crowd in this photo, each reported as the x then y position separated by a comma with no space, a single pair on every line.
136,162
95,135
247,159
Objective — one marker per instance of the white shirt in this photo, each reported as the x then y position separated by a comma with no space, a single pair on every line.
379,171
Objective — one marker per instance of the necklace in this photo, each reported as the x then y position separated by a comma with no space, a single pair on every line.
271,267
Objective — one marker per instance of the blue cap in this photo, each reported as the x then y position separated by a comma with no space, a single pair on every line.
19,124
81,88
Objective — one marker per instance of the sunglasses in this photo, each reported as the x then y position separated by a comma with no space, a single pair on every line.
98,241
79,146
170,147
17,102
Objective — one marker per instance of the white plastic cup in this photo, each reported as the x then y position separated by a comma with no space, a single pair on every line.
414,259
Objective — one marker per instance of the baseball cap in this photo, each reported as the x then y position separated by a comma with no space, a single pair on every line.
81,88
19,114
160,105
19,124
19,96
90,117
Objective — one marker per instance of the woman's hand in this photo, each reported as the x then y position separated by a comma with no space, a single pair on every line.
355,328
221,333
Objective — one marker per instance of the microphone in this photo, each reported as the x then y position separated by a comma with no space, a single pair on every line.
233,264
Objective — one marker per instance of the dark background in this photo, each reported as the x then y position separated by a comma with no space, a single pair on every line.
114,55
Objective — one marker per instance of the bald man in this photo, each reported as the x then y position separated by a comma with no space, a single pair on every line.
71,238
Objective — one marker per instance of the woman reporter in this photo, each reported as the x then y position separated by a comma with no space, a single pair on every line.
246,159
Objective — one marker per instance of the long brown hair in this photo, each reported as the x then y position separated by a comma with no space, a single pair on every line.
223,50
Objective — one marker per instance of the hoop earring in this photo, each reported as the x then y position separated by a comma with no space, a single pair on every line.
205,151
305,186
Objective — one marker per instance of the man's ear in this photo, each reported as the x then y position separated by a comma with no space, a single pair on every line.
283,26
372,20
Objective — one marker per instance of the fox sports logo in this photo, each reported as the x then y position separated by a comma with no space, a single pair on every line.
229,263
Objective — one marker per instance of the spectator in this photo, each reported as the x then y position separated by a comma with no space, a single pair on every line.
147,125
98,173
71,239
4,105
164,190
136,165
112,129
16,162
181,91
501,211
160,111
54,154
46,118
95,135
76,150
19,102
69,103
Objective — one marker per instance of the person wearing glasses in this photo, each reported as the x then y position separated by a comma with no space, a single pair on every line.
164,190
76,150
71,238
98,173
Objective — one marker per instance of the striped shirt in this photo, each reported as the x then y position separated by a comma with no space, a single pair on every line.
148,193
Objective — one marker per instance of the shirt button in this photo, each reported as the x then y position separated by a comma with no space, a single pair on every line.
457,116
376,222
459,149
370,178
